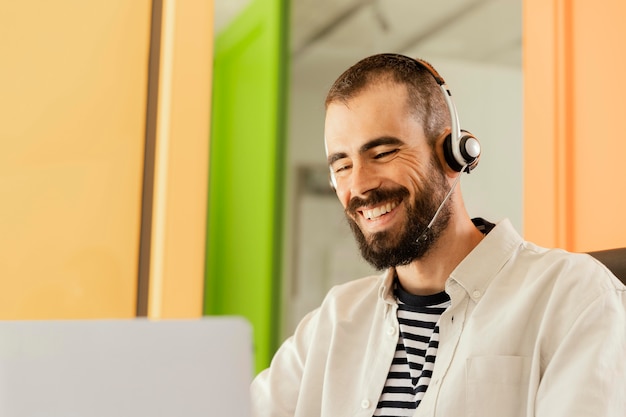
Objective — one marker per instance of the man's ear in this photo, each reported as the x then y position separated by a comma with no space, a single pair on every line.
439,151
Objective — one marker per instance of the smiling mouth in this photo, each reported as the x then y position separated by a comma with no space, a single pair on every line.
376,212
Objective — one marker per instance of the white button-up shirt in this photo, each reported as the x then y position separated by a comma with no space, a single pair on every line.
530,332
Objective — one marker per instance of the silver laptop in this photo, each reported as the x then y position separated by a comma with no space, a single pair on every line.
93,368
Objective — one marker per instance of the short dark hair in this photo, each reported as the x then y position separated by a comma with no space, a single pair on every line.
425,96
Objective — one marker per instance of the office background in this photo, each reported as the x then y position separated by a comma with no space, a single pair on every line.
164,158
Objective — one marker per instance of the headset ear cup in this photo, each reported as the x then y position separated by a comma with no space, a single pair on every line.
449,155
470,150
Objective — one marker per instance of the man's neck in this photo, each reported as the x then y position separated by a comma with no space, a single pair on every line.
428,275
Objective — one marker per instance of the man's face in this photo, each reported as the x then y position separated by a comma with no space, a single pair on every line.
386,175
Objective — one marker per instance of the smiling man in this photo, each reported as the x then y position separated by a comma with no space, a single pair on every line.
388,176
467,318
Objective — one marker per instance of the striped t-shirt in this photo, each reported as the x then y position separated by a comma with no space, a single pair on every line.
414,359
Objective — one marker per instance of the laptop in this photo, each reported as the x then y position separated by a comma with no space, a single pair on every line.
123,368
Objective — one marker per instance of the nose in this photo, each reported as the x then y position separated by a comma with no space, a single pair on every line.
363,179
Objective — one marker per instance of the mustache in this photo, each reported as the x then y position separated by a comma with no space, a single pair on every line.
376,196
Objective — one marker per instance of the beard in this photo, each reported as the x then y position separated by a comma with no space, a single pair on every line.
389,248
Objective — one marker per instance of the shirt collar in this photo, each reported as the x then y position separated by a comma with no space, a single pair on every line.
481,265
478,268
385,291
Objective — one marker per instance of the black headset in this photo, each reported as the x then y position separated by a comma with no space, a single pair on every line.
460,148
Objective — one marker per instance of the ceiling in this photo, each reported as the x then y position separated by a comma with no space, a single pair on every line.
485,30
343,31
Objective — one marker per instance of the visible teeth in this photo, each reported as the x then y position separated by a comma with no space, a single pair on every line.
379,211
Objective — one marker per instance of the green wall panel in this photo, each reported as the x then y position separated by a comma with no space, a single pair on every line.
247,170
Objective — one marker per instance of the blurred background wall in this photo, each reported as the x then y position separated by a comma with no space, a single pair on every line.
104,121
73,84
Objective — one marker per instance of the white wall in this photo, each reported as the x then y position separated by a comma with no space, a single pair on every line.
321,253
489,103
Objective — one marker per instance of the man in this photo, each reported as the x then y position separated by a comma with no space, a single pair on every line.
468,319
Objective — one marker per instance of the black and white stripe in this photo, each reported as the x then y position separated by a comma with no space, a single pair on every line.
413,363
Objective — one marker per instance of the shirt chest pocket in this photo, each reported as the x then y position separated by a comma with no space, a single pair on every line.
497,386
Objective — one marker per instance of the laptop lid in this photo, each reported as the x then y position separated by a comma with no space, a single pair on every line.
139,367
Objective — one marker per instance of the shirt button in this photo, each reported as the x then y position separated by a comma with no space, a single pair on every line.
391,331
365,404
476,294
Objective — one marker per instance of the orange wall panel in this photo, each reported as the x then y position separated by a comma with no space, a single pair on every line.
540,103
574,93
598,108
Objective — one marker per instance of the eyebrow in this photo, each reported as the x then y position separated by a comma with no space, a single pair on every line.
384,140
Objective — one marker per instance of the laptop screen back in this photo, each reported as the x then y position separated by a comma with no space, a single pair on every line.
92,368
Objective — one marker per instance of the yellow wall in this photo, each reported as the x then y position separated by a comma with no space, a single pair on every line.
73,84
179,221
574,89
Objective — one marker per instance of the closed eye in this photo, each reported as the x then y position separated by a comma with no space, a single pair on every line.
381,155
340,167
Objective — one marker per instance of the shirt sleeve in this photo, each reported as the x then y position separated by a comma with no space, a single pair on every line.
586,376
275,391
